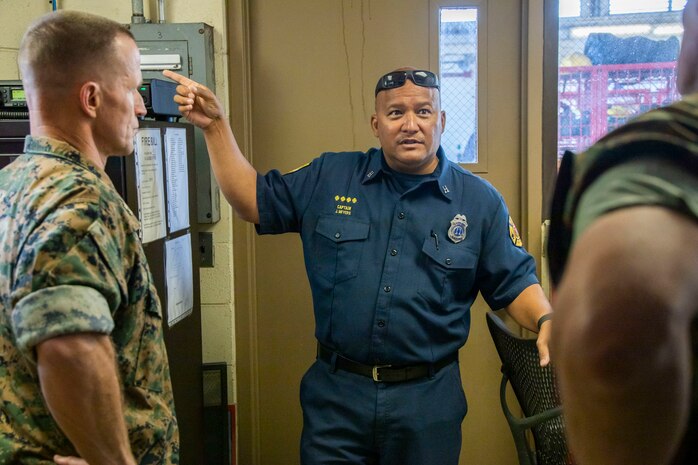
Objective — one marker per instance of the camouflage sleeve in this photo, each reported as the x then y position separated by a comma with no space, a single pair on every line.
67,281
57,311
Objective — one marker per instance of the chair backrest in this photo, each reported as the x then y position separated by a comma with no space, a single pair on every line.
536,391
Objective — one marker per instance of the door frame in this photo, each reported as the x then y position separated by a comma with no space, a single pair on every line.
247,434
434,6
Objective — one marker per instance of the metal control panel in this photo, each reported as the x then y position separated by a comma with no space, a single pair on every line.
12,95
13,101
186,48
158,97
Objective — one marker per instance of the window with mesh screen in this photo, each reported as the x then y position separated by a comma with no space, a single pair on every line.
616,60
645,6
458,72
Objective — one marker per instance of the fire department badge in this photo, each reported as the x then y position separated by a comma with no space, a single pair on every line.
457,230
514,234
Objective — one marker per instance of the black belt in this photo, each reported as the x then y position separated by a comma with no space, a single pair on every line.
384,373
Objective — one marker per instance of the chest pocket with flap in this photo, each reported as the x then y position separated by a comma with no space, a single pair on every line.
450,270
337,247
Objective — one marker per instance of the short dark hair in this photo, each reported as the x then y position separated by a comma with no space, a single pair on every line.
64,46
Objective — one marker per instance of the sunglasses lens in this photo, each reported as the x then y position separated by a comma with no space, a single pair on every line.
398,78
424,78
392,80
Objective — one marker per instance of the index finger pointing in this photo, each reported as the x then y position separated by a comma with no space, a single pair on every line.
178,78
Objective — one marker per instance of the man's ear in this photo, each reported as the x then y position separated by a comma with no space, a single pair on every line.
443,121
374,124
90,98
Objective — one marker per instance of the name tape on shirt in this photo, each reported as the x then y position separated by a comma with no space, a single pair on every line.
345,204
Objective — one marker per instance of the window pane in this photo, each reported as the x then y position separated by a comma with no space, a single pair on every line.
458,71
645,6
614,67
678,5
569,8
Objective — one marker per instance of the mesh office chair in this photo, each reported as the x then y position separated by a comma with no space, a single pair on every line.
535,389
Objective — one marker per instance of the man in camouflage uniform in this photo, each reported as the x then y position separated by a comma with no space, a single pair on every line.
623,251
83,368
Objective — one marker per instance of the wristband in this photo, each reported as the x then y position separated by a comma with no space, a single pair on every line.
543,319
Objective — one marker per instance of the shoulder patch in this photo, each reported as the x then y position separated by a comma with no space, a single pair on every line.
299,168
514,234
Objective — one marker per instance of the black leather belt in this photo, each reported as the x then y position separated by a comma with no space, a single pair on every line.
384,373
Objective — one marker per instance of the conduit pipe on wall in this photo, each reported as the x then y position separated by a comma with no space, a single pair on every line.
137,9
161,11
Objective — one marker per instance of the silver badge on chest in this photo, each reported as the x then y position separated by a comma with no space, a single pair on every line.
457,230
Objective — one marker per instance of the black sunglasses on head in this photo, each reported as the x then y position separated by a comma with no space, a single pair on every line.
397,79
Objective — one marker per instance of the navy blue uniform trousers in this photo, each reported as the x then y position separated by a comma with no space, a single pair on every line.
351,419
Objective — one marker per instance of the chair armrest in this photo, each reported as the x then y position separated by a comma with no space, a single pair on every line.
525,422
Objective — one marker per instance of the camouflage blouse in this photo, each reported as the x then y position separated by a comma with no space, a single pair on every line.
70,262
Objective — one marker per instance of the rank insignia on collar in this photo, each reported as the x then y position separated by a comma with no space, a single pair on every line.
514,234
457,230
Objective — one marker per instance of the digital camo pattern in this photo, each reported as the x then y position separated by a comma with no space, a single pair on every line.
71,261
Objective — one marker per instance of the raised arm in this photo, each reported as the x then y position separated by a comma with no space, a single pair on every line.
621,338
236,177
526,310
81,387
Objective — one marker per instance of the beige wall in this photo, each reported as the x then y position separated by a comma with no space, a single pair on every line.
217,282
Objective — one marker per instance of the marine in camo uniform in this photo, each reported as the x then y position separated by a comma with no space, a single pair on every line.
83,367
623,252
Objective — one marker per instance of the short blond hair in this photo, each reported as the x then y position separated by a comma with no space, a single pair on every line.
64,47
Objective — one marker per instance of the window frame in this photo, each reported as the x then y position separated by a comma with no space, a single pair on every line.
435,7
552,22
551,30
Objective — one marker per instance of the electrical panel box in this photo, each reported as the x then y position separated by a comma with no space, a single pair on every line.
186,48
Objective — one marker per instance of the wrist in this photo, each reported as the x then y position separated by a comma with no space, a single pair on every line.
543,319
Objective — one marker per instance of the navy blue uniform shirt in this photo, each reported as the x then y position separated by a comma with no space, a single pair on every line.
388,284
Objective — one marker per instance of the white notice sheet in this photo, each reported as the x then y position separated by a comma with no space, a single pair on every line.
180,279
177,178
150,180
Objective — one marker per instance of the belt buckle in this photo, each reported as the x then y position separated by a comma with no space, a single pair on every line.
376,374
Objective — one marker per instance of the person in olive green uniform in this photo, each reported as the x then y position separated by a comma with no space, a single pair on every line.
623,251
83,367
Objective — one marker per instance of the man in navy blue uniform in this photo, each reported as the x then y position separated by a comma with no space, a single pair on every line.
398,241
623,254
